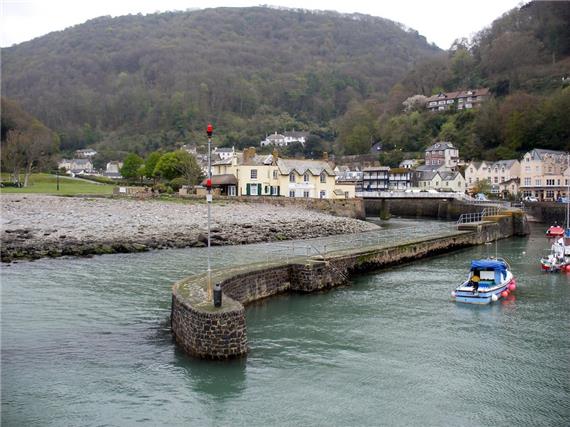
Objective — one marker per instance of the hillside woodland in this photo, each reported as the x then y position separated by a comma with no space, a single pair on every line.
138,84
523,57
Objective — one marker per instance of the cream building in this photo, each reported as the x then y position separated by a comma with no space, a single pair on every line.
442,181
269,175
543,174
496,173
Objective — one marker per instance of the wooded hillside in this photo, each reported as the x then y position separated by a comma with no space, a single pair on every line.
136,83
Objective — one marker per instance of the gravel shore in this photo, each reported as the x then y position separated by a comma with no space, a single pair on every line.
35,226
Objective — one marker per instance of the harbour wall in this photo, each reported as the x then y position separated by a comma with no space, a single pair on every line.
447,209
547,212
208,332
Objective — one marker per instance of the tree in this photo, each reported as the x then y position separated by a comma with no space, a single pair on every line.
150,164
13,153
132,166
482,186
179,164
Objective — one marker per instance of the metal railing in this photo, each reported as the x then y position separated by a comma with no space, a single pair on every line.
479,216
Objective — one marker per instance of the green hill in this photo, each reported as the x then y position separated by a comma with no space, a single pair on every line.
136,83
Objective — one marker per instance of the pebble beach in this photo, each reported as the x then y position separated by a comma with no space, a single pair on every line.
36,226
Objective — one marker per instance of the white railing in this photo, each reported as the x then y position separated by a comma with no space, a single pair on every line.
479,216
410,195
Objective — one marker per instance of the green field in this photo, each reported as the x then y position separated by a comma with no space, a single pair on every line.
47,184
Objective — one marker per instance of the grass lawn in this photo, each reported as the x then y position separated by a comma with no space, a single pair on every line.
47,184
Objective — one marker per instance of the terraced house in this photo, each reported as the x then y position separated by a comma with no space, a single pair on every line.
544,174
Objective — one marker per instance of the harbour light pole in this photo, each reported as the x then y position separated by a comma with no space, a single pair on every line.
209,131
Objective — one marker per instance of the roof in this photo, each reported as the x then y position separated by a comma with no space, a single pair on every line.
338,192
540,153
275,136
315,167
442,95
493,264
473,92
224,179
297,134
376,168
256,160
224,150
504,163
81,162
440,146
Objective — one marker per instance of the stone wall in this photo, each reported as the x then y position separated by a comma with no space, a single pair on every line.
547,212
220,333
208,334
417,208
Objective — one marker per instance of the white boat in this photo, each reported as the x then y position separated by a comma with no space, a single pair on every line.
489,280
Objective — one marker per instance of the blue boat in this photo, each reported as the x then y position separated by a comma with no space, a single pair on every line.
489,280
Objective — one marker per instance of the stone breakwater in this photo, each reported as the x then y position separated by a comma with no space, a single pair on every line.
35,226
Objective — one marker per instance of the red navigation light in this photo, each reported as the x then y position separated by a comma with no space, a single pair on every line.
210,129
208,183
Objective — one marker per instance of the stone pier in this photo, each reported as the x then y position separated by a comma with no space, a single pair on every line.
205,331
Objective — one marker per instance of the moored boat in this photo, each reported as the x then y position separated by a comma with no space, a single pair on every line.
555,231
489,280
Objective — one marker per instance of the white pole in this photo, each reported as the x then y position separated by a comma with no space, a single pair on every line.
209,203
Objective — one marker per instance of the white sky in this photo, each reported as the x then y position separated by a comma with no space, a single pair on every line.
440,21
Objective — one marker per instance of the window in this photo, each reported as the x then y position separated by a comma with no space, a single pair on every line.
306,177
550,182
275,190
537,182
253,189
306,194
291,193
550,194
346,194
527,169
275,174
266,189
323,177
496,180
527,182
253,174
322,194
292,177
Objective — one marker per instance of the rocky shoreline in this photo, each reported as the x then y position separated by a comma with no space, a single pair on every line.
37,226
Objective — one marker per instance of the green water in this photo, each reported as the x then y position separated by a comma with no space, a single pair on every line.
87,342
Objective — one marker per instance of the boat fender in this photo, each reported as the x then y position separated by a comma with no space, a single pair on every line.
505,294
494,297
452,294
512,287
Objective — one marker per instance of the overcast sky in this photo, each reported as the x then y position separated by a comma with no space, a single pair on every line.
440,21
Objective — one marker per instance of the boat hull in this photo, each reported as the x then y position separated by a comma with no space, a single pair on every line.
485,295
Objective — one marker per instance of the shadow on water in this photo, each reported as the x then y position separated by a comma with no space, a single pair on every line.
204,376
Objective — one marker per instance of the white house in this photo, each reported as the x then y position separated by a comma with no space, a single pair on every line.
283,140
86,153
224,153
76,166
442,181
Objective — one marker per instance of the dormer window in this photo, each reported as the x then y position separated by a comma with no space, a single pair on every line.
292,177
323,177
306,177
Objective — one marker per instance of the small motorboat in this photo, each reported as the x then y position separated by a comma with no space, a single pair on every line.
489,280
558,258
555,231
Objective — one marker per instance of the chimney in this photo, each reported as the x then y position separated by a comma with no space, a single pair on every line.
325,156
248,154
275,155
